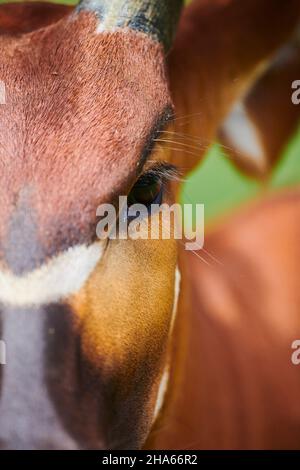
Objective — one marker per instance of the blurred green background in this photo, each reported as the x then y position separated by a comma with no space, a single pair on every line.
217,184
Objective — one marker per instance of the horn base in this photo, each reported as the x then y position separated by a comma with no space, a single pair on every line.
152,17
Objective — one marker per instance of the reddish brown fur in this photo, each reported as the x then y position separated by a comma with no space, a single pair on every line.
237,386
70,106
219,49
21,18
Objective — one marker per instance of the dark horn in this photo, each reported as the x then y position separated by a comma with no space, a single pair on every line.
156,18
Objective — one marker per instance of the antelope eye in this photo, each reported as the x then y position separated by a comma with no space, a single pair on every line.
147,190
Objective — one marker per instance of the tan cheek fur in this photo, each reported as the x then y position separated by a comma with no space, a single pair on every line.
125,313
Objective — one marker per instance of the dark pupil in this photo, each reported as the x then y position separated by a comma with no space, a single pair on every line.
145,191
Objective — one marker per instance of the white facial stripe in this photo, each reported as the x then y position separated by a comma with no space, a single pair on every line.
161,394
176,297
60,277
165,377
242,135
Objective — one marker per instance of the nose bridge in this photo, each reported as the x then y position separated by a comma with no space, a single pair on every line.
27,416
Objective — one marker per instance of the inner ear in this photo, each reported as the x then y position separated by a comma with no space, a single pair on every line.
27,17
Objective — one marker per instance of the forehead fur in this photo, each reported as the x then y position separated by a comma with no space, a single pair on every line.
79,110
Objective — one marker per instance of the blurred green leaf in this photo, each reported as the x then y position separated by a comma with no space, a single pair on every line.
221,187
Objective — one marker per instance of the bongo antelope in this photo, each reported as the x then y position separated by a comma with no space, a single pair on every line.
106,348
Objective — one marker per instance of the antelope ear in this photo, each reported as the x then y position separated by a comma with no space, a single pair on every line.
218,55
258,128
25,17
156,18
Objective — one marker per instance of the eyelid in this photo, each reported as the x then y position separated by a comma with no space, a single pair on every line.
162,171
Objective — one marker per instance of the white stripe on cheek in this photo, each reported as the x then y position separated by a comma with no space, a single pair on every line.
163,386
60,277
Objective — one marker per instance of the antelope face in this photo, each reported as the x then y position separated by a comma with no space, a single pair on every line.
86,322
